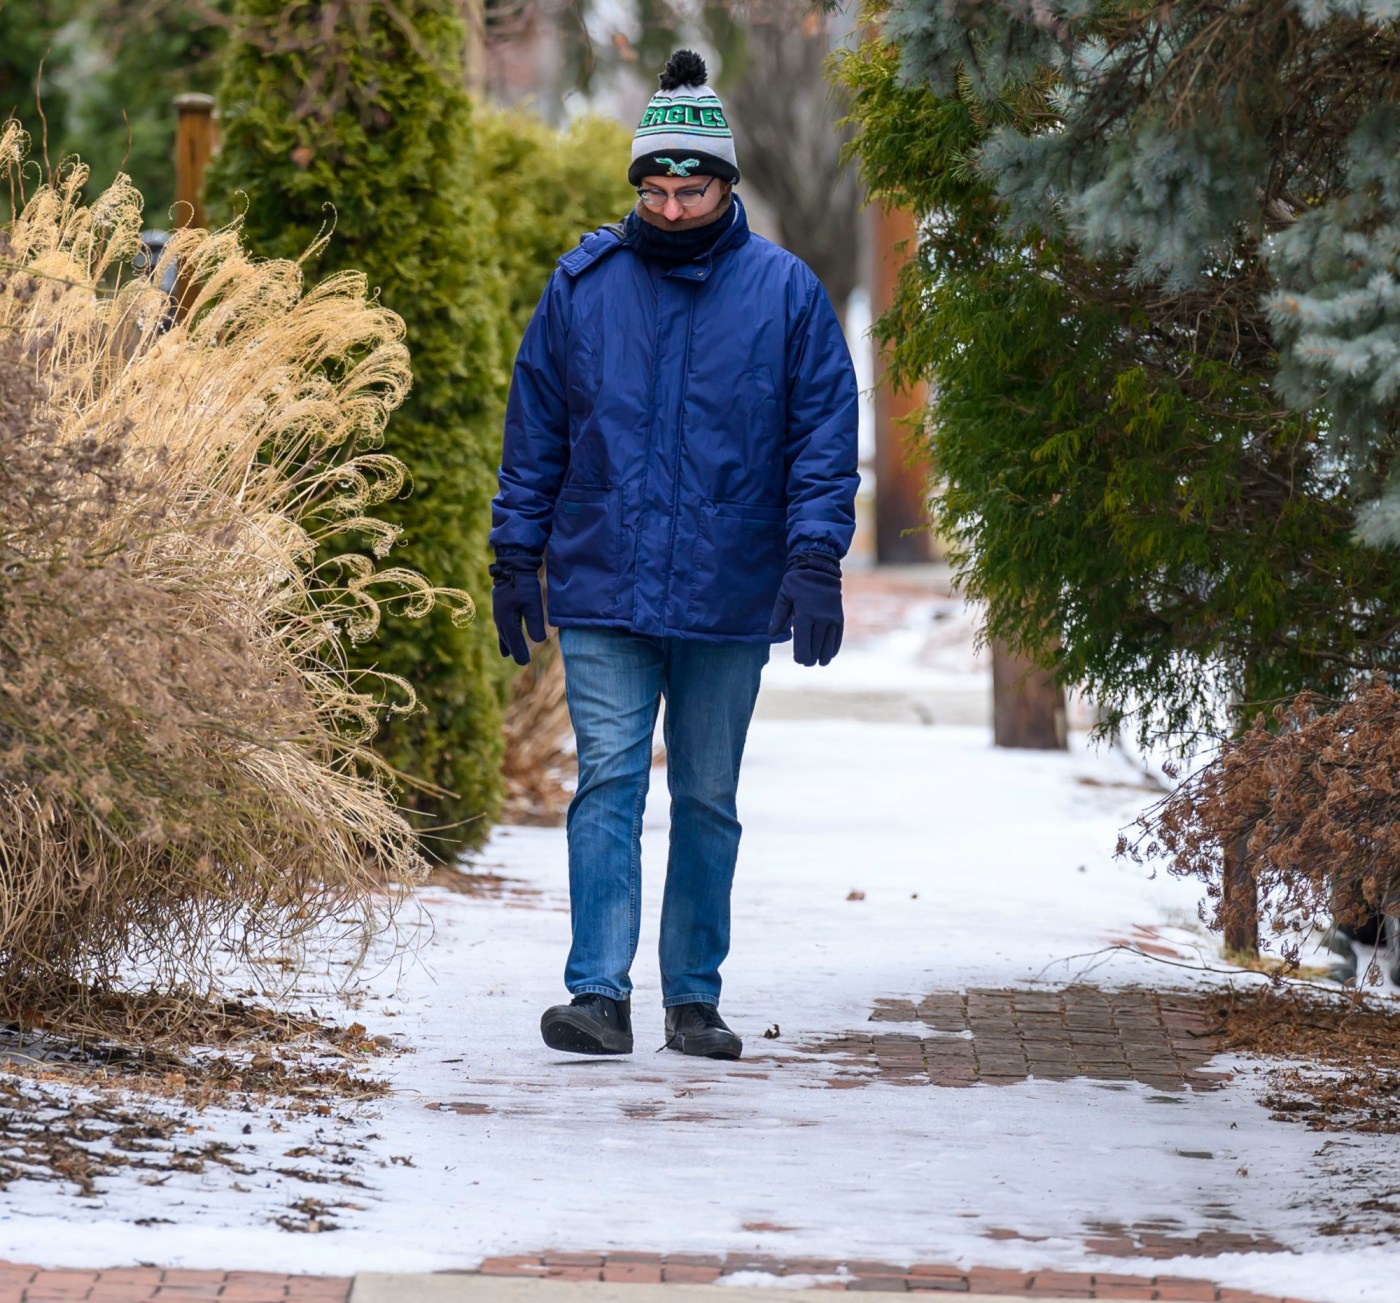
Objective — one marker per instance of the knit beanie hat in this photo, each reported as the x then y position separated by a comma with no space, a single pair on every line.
683,131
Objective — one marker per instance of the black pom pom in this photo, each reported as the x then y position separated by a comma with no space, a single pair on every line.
686,68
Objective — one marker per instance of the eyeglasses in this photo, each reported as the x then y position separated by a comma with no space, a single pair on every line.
686,198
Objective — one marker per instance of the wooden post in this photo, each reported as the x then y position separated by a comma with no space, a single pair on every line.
901,480
196,135
196,138
1028,706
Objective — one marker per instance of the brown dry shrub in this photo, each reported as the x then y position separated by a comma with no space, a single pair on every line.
1349,1075
183,758
1316,796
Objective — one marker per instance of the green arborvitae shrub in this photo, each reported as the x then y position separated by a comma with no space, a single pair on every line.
351,114
547,188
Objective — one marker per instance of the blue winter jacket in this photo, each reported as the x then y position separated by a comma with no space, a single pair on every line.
673,433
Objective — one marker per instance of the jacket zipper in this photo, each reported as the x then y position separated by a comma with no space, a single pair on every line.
680,451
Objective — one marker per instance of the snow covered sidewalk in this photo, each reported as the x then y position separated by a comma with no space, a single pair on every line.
895,867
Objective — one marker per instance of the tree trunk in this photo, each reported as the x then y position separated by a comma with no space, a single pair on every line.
474,52
1239,893
1239,904
1028,706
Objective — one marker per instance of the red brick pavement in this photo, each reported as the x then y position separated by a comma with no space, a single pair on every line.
1002,1036
27,1284
923,1277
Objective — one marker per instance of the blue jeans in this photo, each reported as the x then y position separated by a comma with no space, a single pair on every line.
615,681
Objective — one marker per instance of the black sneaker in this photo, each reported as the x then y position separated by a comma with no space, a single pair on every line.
589,1024
698,1029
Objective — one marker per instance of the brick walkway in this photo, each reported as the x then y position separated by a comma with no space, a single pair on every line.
998,1037
923,1278
21,1284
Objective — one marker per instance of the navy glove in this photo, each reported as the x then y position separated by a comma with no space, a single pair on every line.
809,599
516,596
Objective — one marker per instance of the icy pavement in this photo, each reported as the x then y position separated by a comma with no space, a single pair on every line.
883,860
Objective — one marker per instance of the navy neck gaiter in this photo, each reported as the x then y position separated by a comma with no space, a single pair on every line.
683,242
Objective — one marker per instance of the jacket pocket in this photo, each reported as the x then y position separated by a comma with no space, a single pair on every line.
585,553
739,556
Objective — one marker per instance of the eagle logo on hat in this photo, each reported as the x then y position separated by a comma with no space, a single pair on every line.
678,169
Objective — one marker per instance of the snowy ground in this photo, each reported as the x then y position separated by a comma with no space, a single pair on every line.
978,868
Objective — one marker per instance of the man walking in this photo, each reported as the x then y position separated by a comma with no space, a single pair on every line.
680,445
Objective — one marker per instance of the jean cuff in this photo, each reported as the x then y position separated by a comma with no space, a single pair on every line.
593,989
672,1001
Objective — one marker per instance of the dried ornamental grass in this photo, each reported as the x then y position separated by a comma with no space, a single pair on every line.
183,758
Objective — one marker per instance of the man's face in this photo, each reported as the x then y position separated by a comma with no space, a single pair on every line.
673,210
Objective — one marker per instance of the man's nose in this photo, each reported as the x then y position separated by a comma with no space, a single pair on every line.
673,210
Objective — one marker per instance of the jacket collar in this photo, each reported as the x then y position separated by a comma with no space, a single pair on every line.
591,248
